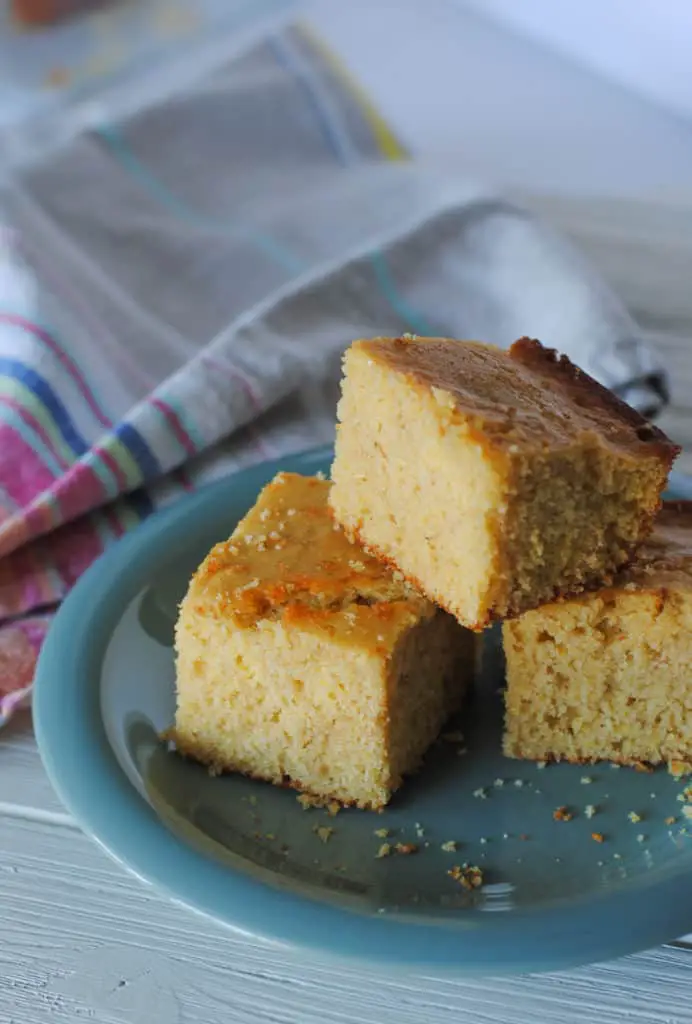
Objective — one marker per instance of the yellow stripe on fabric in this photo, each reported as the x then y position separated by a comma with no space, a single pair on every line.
387,142
124,458
34,407
28,400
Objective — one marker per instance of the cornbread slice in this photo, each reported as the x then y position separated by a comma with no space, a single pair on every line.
493,480
608,675
304,661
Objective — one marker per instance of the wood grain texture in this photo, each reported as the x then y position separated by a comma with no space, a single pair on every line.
23,782
84,941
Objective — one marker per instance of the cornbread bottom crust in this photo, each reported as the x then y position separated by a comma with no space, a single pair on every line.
209,759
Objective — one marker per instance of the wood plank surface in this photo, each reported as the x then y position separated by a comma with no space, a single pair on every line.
83,940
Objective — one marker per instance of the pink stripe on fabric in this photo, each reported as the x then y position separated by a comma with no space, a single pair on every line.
245,385
35,629
32,521
20,584
63,287
36,426
111,462
67,362
17,663
20,643
35,580
79,490
25,475
173,420
42,572
249,390
75,468
75,493
78,546
238,377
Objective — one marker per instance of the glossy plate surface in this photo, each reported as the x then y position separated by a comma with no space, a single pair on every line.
249,855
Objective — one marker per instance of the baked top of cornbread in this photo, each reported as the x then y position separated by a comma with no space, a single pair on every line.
288,559
525,396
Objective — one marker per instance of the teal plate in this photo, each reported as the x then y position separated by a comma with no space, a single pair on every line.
248,854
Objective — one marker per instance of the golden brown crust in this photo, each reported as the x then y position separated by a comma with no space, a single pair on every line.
588,394
527,396
288,559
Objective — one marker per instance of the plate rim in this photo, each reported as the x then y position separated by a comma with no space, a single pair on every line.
128,828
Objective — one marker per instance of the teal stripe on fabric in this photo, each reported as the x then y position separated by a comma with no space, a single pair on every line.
399,304
110,484
341,144
140,172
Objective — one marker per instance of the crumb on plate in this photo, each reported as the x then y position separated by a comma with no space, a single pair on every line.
469,876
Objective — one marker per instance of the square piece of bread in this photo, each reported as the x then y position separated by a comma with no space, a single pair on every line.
304,661
608,675
494,480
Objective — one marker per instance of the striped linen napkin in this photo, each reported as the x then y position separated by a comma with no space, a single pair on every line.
176,292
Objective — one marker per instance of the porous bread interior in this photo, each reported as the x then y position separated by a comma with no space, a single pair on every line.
485,532
575,516
286,705
603,676
429,674
419,495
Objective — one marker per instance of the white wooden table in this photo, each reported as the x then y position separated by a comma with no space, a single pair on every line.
84,941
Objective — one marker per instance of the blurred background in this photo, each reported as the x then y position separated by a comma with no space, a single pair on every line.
594,97
588,97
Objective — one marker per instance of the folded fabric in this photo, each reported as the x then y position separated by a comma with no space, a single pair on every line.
176,292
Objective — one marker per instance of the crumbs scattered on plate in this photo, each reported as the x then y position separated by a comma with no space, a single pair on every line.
469,876
323,833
